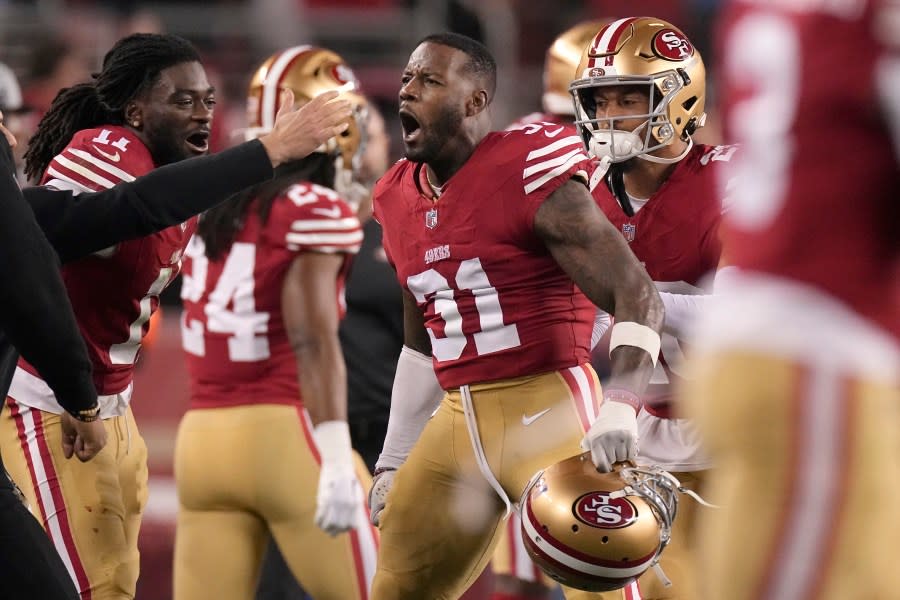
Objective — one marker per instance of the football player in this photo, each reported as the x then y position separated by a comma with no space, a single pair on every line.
493,237
148,106
796,369
43,327
265,446
516,576
639,93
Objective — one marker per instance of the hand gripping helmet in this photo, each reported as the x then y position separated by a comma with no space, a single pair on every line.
560,64
640,51
309,71
597,531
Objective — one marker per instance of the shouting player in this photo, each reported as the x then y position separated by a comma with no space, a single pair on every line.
501,251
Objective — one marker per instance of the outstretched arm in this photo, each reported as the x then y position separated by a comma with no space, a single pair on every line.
597,258
79,225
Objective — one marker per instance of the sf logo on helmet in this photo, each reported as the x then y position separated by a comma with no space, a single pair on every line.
671,45
597,509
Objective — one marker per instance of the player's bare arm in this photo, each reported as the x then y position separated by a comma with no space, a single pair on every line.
311,322
415,335
597,258
311,319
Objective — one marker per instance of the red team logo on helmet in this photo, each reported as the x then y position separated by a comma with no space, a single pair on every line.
597,509
672,45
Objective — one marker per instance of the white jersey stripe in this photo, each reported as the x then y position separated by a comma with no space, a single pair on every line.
549,164
348,224
270,89
62,161
537,183
811,515
569,140
59,182
112,170
62,182
313,239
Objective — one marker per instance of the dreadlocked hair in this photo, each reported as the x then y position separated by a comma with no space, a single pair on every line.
131,68
219,225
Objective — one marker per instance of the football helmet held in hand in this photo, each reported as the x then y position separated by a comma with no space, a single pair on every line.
597,531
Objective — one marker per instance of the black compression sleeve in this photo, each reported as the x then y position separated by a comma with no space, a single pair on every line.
80,225
34,309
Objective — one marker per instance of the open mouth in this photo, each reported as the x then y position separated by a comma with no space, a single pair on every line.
411,127
198,143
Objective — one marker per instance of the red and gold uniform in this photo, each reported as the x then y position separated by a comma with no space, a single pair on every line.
246,463
674,234
510,335
92,510
511,558
796,386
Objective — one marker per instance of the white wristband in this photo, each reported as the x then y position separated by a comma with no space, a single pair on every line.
629,333
333,442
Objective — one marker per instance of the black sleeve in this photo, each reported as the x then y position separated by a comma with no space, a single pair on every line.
34,309
80,225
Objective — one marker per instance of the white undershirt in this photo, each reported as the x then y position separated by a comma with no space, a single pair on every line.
637,203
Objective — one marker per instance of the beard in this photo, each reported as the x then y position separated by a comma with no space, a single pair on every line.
444,129
165,148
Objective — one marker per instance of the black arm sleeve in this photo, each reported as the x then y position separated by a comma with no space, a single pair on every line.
34,309
80,225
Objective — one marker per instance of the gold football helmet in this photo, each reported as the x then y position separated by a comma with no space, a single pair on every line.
309,71
640,51
560,66
597,531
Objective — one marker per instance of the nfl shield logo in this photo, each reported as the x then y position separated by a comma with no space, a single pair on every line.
628,231
431,218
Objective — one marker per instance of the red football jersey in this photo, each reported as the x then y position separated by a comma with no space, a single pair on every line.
496,303
232,328
675,236
115,291
819,158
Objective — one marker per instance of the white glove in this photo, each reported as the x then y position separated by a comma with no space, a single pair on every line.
339,493
613,436
381,485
